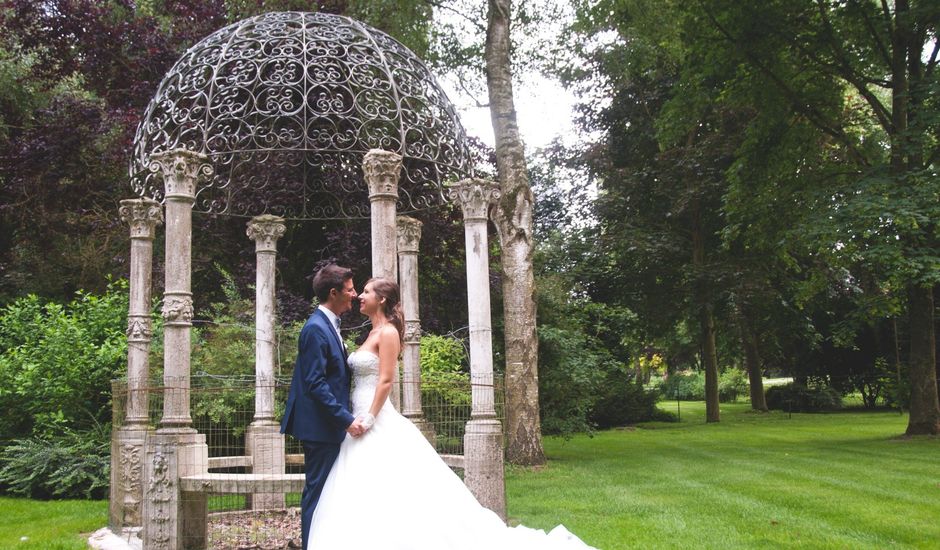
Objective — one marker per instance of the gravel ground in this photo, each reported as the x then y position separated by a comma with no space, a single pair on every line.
272,530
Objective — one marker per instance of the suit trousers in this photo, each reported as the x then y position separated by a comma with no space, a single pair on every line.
318,461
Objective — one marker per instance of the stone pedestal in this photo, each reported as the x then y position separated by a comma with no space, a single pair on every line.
483,446
264,443
381,170
128,450
483,463
173,519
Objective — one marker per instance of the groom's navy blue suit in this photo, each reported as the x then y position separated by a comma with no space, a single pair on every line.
317,410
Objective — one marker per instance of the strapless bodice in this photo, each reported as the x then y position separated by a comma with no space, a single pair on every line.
365,369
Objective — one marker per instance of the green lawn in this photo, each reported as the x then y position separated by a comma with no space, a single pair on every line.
838,480
55,525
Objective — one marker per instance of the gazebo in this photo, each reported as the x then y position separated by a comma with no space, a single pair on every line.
332,119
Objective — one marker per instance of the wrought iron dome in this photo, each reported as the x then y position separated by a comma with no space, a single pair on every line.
286,104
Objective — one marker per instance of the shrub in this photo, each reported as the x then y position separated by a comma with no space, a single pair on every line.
623,401
57,362
571,372
71,464
444,382
799,398
687,386
731,384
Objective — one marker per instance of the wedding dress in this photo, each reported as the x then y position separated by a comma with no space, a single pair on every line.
388,490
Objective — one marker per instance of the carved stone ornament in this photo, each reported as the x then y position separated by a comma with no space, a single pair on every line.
475,197
181,168
139,328
160,493
130,483
409,234
412,331
143,215
178,309
265,230
382,169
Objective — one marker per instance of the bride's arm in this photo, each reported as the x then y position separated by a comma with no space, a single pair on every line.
389,347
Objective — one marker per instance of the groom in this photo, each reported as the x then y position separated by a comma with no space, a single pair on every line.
317,410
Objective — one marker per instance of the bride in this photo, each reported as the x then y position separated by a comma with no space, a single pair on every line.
388,488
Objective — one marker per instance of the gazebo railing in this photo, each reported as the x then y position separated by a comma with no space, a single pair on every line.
222,409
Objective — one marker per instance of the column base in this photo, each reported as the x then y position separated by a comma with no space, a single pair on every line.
265,444
483,471
128,450
171,519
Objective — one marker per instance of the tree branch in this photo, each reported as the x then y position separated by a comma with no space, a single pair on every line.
850,74
441,5
471,95
815,117
882,48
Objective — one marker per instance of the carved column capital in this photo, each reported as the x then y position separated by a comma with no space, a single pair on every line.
409,235
181,169
265,230
382,169
475,197
143,215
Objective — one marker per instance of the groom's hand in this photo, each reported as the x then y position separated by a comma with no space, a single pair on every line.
356,428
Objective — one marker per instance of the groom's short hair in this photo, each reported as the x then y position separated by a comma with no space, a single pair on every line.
330,277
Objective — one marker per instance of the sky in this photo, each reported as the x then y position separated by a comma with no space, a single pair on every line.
544,109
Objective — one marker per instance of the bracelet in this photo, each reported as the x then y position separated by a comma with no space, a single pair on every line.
367,420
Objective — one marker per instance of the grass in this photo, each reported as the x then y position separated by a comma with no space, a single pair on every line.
52,525
840,480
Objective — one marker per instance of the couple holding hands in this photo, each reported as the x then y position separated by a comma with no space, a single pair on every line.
372,479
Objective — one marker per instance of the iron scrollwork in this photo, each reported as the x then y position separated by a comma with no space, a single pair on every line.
286,104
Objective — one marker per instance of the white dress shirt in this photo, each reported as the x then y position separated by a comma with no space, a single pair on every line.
334,320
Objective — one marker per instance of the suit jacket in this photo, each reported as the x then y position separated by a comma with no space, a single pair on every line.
318,401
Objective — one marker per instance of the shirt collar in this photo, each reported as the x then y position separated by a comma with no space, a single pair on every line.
330,315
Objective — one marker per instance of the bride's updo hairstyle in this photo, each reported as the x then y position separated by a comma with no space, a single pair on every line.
385,288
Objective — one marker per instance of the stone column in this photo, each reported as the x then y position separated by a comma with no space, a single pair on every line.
263,441
176,450
129,440
409,235
381,170
483,439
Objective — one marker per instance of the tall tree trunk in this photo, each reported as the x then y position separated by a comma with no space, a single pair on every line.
513,219
752,362
925,407
906,65
707,322
712,413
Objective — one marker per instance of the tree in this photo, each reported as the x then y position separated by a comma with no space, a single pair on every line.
884,58
514,223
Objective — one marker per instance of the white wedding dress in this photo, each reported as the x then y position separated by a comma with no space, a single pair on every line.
388,490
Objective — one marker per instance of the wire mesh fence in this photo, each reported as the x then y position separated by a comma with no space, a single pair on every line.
222,410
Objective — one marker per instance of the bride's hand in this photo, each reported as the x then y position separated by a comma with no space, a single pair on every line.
367,420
